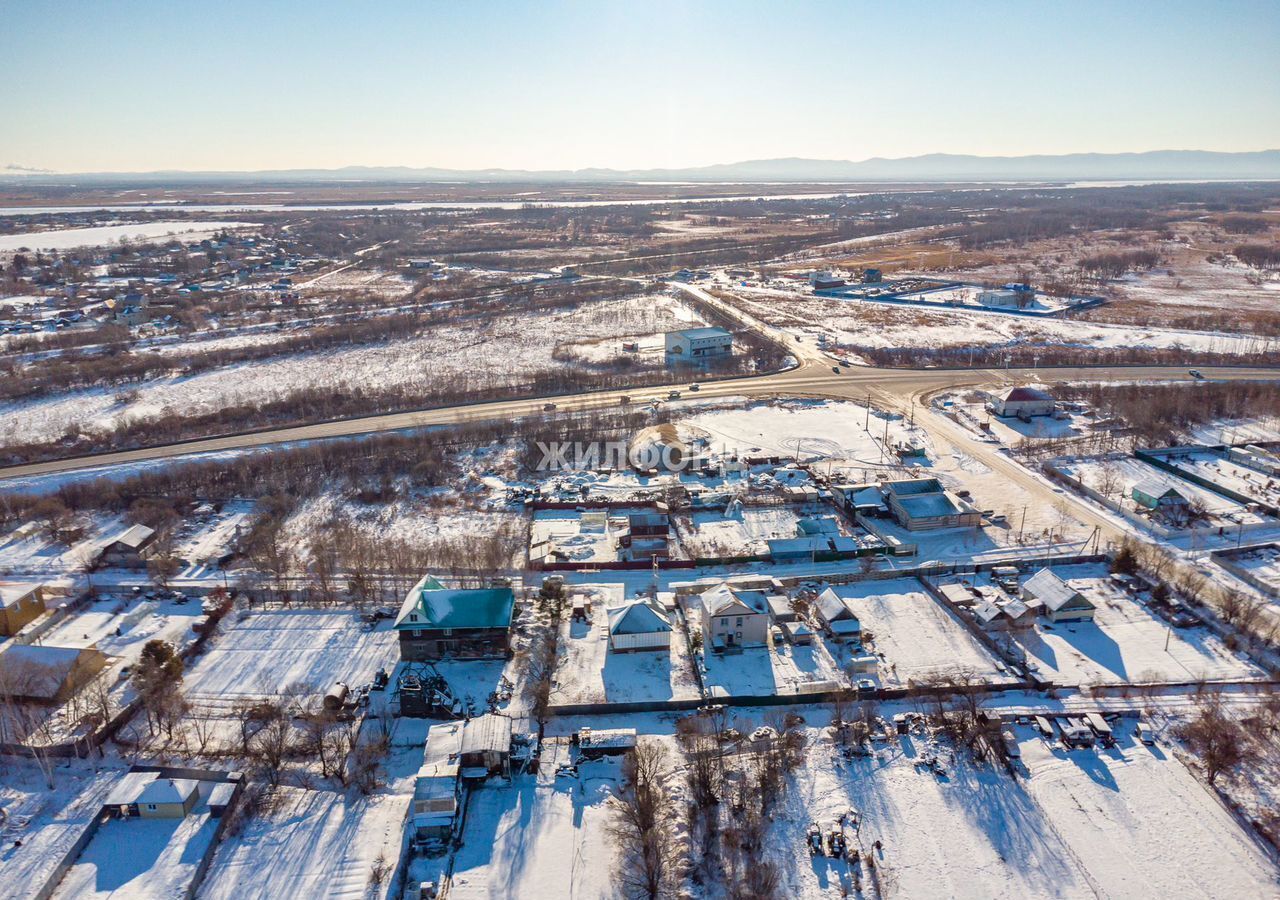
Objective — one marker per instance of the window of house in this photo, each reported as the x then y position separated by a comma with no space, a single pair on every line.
739,621
724,621
151,806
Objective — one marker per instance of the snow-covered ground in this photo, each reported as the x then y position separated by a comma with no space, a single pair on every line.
1223,472
914,636
1139,824
1125,643
40,825
1262,563
589,672
261,653
101,235
540,836
442,356
311,844
141,858
1114,478
878,325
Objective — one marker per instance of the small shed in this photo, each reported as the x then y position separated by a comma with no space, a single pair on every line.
594,742
1158,496
486,747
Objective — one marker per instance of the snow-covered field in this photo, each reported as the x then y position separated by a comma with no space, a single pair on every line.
742,533
1223,472
878,325
1263,564
914,636
101,235
807,430
1128,822
261,653
1139,824
1125,642
448,355
310,844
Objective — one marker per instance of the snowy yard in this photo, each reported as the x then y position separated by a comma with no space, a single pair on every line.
1125,642
540,836
1128,822
121,627
141,858
310,844
46,823
1141,825
882,325
914,636
261,653
744,533
589,672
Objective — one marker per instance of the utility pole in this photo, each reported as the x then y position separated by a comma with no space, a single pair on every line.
1023,524
868,428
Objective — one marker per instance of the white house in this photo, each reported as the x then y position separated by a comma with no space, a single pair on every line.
640,625
734,617
1060,601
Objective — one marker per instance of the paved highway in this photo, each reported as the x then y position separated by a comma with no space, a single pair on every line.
891,388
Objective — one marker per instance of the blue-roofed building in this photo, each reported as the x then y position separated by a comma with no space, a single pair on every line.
698,346
436,621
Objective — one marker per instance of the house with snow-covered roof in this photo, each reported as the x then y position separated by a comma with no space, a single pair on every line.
1059,601
734,617
436,621
837,616
640,625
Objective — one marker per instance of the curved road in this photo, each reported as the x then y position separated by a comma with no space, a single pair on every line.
892,388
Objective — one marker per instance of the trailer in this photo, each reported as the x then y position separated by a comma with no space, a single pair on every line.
1100,728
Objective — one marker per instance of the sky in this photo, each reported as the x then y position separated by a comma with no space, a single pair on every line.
141,86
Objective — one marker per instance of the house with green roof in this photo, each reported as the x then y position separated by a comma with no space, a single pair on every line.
436,622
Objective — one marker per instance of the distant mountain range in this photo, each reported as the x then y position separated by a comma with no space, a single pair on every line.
937,167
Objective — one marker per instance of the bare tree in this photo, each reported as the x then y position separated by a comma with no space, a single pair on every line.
1218,740
642,826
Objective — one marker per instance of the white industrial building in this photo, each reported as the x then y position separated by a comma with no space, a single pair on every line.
698,345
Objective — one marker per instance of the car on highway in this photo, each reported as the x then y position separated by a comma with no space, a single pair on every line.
695,387
548,407
845,363
1195,373
835,369
624,399
674,395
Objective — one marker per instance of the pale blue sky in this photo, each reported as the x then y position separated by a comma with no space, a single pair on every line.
133,86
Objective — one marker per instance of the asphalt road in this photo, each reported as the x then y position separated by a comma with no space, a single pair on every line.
892,388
